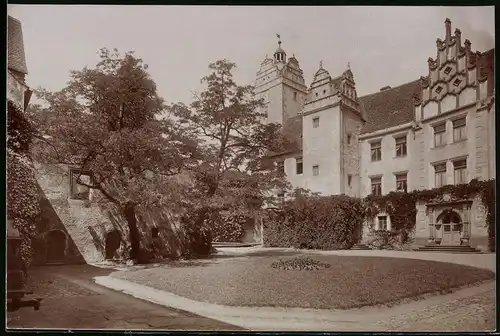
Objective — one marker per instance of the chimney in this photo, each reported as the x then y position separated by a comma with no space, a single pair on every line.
385,88
447,24
458,38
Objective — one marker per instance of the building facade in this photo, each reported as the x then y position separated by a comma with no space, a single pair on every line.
430,132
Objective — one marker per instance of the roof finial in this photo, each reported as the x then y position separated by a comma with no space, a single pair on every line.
279,39
267,55
321,63
349,65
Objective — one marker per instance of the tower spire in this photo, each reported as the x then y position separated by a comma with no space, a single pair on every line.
279,54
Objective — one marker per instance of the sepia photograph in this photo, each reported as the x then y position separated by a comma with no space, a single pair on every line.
250,168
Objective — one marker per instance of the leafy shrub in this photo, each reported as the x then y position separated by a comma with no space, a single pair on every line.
318,222
226,227
384,240
300,264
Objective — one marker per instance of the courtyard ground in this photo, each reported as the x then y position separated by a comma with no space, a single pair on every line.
349,282
470,309
71,300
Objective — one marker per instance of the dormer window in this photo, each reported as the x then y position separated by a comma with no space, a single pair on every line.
447,70
457,82
439,89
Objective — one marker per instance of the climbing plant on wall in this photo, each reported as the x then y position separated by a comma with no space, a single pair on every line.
23,204
401,208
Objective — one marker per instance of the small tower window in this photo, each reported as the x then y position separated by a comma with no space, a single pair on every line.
349,138
315,170
447,70
439,89
349,180
457,82
324,91
295,95
316,122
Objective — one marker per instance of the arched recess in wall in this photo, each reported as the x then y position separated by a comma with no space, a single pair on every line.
112,244
56,246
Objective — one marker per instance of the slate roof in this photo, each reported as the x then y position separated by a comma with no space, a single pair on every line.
389,108
16,56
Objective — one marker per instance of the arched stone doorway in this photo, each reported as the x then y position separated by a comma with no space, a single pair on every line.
112,243
449,228
56,246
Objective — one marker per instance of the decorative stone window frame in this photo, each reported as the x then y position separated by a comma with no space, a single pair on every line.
437,167
73,174
454,163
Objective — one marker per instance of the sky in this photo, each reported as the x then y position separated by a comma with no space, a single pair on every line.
384,45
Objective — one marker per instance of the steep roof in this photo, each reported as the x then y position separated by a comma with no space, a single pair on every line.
16,56
389,108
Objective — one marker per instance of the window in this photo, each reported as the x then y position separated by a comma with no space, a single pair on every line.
316,122
447,70
459,129
460,171
299,166
281,167
376,186
295,96
315,170
155,233
78,191
402,182
382,223
439,135
349,138
401,146
440,175
281,198
324,91
439,89
457,82
349,180
376,149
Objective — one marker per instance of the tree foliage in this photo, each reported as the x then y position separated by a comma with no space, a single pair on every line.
108,120
235,140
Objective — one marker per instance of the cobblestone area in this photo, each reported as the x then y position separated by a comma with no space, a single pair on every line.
72,301
474,313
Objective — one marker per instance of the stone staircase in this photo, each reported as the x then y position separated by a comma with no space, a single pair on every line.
448,249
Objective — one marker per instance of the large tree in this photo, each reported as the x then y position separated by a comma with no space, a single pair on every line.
235,173
108,121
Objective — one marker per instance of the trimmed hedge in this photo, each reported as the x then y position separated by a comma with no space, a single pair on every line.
319,222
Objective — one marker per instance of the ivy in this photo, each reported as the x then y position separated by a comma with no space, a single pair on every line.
400,206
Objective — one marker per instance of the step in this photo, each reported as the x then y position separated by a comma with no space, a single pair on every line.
360,247
448,248
231,244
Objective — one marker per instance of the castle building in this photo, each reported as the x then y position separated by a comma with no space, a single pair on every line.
430,132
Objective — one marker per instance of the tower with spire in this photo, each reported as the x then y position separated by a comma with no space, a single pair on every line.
280,82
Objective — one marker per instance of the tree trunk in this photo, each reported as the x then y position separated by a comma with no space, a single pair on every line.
129,212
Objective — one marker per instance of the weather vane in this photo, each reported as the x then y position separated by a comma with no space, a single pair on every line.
279,38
